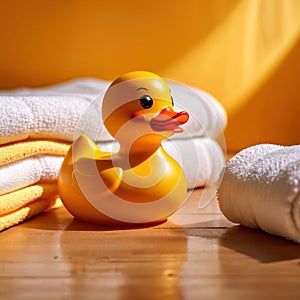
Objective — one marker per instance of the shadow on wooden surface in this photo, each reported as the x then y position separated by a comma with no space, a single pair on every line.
259,245
253,243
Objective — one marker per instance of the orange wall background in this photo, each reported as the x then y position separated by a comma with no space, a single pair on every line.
244,52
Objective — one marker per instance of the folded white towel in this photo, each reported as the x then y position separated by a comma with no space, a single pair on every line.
25,172
201,159
261,189
67,110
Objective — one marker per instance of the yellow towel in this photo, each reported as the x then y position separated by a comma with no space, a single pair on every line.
16,151
14,200
27,211
24,203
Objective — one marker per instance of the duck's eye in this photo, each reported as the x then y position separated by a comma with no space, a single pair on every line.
172,101
146,101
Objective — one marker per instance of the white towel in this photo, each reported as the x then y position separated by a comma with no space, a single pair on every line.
25,172
67,110
261,189
201,159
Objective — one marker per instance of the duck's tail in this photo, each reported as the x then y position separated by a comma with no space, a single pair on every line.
83,146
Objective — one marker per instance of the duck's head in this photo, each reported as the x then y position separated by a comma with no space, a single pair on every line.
139,106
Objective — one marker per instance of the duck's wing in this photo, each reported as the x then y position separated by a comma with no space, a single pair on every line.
89,166
96,175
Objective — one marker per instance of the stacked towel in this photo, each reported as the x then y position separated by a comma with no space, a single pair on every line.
261,189
28,175
38,126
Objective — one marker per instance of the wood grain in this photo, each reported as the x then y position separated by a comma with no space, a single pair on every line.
196,254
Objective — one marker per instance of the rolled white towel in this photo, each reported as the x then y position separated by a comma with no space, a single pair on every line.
261,189
69,109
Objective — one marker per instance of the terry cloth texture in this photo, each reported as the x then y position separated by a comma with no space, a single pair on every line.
28,178
261,189
27,211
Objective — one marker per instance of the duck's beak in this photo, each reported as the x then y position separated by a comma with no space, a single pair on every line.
169,120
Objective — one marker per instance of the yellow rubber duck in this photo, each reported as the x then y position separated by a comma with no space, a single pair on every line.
140,183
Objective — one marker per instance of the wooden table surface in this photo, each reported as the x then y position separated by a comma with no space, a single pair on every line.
196,254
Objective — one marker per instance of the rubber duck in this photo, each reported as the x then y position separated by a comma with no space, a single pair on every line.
140,183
